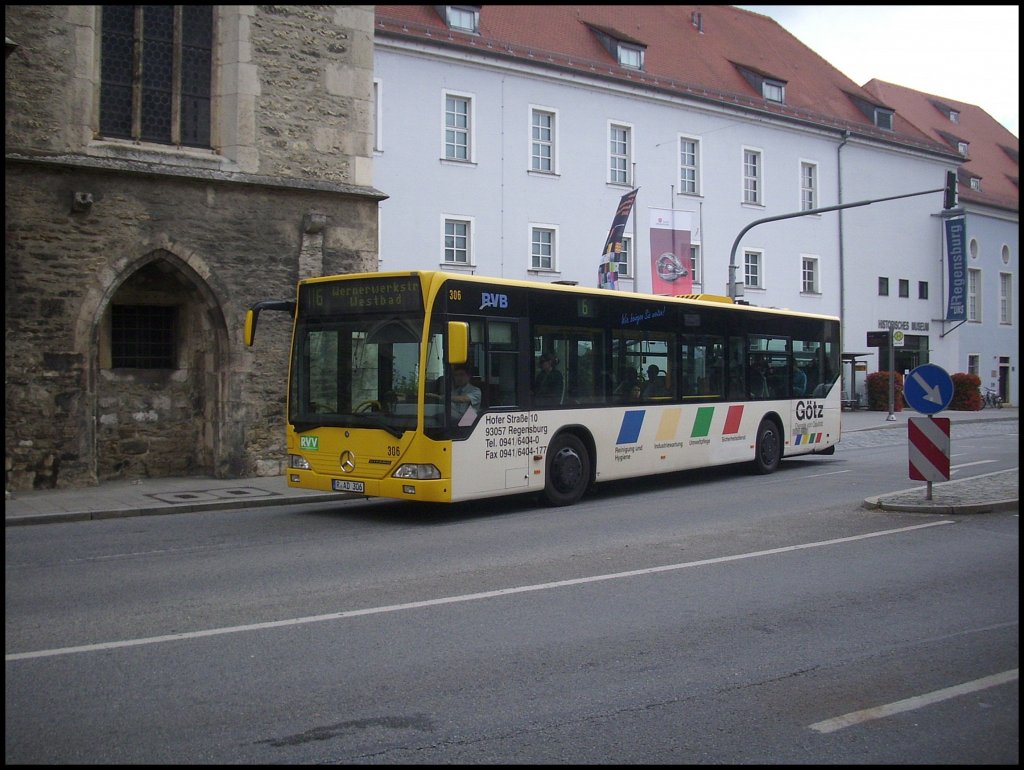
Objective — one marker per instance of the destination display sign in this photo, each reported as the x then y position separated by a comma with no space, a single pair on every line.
366,295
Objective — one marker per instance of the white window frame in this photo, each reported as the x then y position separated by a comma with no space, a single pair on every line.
752,184
773,91
378,115
467,132
537,246
462,18
885,119
809,185
973,295
810,274
696,265
620,151
755,257
469,224
689,172
974,364
1006,298
625,258
534,162
630,56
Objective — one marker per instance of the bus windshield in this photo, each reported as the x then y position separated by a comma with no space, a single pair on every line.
356,358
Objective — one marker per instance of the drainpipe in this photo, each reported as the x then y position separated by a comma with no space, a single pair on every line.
842,272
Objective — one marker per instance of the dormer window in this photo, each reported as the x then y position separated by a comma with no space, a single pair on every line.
773,91
464,18
954,116
975,183
884,118
961,147
631,56
771,88
628,52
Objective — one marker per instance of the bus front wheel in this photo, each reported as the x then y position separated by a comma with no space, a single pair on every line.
568,471
768,451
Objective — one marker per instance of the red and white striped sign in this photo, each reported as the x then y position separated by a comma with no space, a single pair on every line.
929,448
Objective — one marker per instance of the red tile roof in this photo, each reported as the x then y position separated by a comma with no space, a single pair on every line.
694,56
993,153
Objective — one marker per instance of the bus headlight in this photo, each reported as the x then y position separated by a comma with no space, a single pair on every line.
417,471
298,461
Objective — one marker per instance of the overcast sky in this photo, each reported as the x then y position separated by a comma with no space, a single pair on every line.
969,53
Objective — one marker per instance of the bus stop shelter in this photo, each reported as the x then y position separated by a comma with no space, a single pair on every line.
851,359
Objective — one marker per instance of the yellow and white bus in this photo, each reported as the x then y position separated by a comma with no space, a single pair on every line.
645,384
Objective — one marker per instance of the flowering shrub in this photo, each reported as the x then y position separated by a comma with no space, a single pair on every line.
966,392
878,392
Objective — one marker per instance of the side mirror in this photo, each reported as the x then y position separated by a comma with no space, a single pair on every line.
458,342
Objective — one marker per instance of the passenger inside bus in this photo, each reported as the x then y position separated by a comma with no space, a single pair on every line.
656,386
799,381
547,389
464,393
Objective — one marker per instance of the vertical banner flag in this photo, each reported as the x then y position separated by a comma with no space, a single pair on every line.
608,272
671,265
956,236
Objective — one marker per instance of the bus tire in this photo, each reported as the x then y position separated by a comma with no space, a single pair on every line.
568,471
768,450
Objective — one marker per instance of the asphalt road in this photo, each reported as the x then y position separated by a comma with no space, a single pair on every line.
712,617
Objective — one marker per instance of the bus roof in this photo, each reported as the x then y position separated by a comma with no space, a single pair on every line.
437,277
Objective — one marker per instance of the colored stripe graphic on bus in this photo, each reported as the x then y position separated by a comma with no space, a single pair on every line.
807,438
629,431
702,422
668,425
732,419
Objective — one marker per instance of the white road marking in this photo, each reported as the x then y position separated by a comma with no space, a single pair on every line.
451,599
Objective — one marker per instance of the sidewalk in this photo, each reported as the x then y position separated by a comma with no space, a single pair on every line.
154,497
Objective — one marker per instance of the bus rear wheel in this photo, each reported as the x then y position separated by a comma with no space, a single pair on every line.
768,450
568,471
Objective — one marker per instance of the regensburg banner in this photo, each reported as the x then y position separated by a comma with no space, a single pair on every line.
608,272
956,237
670,252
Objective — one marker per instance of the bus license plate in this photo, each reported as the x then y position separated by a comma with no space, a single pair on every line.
341,485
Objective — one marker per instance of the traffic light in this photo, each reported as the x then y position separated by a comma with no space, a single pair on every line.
949,200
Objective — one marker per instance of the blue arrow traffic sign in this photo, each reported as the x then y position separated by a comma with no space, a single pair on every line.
928,389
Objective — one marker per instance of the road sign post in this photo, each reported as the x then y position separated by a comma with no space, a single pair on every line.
929,449
928,389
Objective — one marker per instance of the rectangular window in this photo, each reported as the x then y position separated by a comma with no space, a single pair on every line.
464,19
542,248
752,176
752,270
809,275
624,259
974,364
458,242
1005,298
542,141
904,287
619,154
457,127
922,289
378,137
631,57
695,265
142,336
156,72
883,286
973,295
808,186
773,91
883,119
689,166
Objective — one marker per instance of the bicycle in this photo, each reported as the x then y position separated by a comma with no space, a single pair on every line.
990,398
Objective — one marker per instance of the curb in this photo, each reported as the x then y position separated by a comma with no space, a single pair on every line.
124,513
878,503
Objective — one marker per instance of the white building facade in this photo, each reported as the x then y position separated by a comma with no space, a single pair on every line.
509,166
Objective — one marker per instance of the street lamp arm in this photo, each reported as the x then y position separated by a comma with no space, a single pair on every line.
808,212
